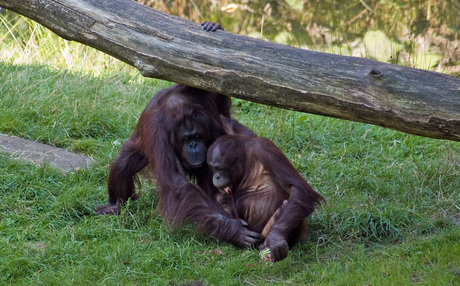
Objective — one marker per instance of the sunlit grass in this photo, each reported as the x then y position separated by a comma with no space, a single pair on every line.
391,217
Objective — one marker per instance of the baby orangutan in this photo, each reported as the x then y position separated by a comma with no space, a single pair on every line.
264,189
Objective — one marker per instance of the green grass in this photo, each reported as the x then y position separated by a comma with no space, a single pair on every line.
393,200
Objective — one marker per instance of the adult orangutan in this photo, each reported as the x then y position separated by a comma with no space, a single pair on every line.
261,187
172,137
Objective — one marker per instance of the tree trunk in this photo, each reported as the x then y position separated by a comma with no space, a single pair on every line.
163,46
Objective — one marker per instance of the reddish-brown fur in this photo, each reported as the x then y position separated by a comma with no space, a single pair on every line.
263,181
154,143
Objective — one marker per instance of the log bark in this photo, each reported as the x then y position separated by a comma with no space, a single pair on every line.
167,47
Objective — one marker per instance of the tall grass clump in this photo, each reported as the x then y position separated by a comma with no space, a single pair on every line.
391,217
72,95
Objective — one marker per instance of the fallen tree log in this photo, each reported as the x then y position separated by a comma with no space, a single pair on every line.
167,47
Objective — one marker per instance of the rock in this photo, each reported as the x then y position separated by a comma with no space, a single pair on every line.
39,153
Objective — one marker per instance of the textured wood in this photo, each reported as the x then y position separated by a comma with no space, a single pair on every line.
167,47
